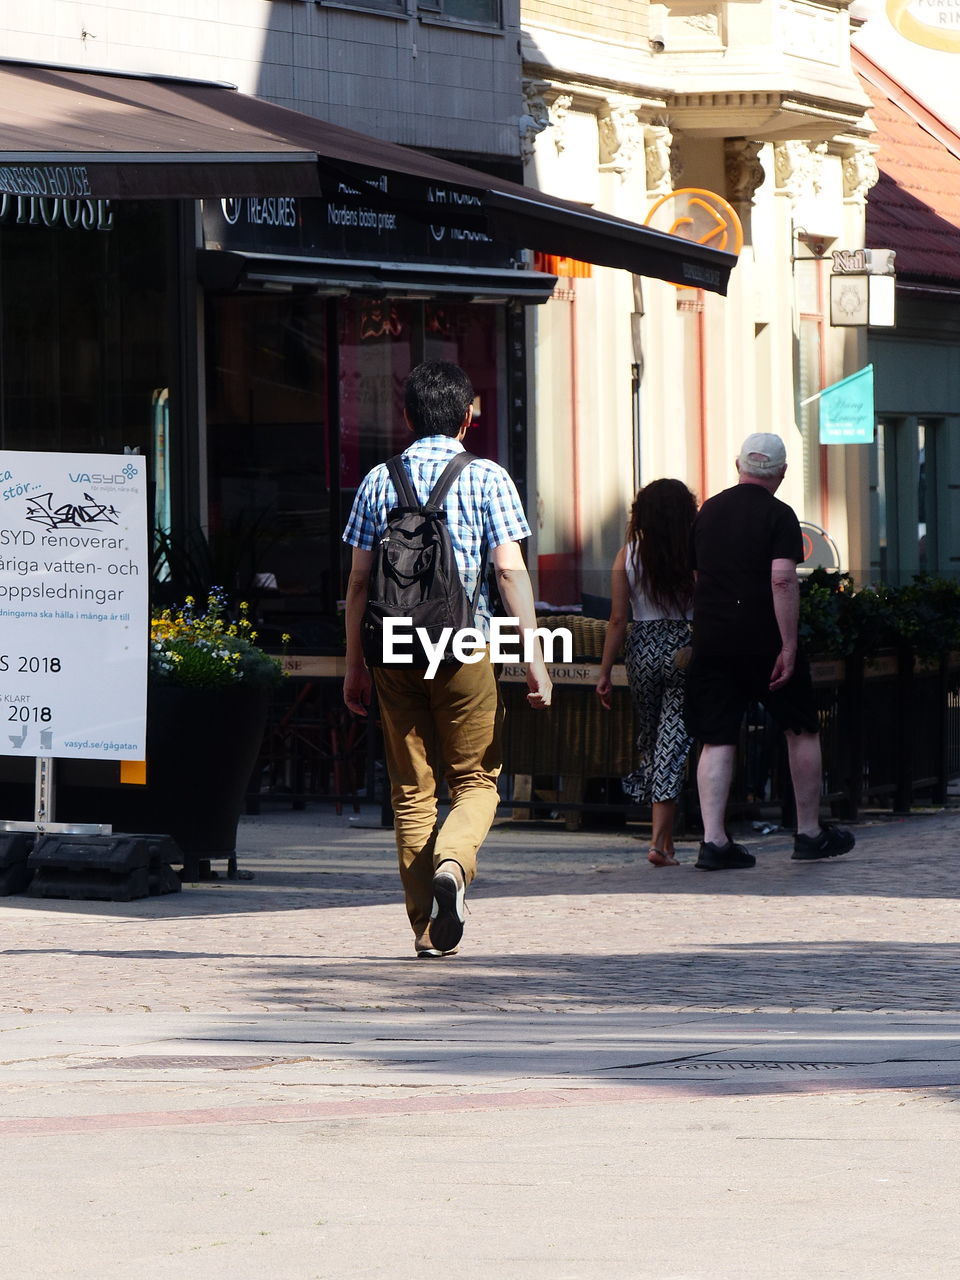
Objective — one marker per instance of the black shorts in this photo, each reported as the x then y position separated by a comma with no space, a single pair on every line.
720,687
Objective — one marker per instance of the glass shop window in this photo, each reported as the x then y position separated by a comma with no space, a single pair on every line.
87,342
380,341
268,449
472,337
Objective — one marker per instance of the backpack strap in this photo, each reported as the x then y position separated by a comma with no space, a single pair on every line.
445,480
401,482
481,575
435,503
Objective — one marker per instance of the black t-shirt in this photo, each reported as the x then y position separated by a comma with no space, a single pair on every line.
736,536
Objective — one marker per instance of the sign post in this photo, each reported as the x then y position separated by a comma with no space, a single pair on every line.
74,609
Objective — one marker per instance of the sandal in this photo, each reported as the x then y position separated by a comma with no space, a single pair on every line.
660,859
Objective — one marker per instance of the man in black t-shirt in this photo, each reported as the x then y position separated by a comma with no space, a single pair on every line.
745,546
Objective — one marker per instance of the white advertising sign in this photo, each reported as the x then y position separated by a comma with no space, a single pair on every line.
74,608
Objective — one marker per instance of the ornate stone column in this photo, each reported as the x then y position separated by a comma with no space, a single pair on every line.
659,156
860,172
798,168
744,173
622,141
534,118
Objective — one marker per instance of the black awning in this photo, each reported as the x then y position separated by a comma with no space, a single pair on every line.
224,271
68,134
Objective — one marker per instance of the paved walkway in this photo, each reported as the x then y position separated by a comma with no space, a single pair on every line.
628,1072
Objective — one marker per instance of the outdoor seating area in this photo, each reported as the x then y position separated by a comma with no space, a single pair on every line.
890,729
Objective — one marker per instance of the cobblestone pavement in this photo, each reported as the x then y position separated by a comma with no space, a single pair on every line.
559,922
629,1072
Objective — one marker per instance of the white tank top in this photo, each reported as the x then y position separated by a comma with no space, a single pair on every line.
642,607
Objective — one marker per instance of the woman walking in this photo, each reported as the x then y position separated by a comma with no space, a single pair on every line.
652,583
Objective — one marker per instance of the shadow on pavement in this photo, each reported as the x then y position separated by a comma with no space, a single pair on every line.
855,976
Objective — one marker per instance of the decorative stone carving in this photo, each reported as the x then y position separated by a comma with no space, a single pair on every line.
557,117
676,163
743,169
798,167
860,173
622,141
659,158
535,117
706,21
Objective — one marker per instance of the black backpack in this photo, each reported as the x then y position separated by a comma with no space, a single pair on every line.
415,574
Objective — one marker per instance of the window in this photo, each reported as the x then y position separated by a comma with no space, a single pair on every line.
87,344
907,495
486,11
392,6
269,450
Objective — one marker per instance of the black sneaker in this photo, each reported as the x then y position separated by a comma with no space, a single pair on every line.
831,842
726,857
447,915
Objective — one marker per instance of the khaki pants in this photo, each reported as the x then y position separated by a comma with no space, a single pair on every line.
447,727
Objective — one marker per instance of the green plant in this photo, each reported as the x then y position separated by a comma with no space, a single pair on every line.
926,615
821,630
838,619
206,649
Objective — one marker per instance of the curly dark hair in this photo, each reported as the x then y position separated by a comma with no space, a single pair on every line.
659,532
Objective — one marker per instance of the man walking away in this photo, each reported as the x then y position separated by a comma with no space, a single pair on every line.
448,726
746,545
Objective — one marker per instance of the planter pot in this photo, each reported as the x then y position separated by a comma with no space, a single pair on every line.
202,745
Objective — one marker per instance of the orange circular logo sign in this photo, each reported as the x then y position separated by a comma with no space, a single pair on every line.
693,213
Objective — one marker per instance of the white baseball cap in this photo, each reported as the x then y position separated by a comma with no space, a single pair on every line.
763,452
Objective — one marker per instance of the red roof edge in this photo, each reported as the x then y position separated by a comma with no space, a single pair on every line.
905,100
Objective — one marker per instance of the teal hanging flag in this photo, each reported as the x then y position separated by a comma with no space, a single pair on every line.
846,410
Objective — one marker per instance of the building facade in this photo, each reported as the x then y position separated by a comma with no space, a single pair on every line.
261,365
255,348
627,104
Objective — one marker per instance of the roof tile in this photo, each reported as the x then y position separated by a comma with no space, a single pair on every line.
915,207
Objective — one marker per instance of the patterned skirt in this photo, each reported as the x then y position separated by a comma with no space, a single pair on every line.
656,684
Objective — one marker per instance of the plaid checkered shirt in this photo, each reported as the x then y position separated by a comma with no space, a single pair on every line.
482,505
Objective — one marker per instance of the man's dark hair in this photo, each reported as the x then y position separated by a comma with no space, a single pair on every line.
436,396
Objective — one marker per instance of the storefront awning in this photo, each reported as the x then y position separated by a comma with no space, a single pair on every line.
227,272
88,135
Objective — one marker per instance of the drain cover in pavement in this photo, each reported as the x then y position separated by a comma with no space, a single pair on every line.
759,1066
217,1062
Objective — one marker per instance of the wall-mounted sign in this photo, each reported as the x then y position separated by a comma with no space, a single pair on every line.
698,215
846,410
52,211
935,24
863,288
819,549
73,605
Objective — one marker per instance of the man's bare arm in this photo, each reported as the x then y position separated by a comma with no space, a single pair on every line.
786,607
513,582
357,683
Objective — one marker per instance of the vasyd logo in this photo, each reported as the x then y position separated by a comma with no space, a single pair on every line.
97,477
